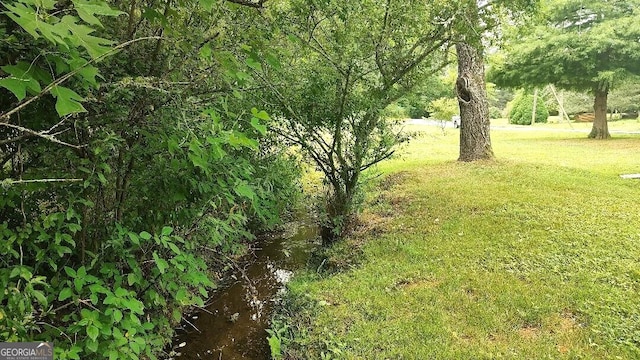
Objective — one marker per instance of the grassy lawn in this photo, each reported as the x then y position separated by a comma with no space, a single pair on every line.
532,256
555,122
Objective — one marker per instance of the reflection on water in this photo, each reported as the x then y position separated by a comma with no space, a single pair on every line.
233,326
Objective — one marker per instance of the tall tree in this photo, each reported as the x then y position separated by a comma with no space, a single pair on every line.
474,23
585,45
475,138
344,62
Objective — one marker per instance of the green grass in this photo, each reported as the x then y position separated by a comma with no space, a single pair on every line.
532,256
555,122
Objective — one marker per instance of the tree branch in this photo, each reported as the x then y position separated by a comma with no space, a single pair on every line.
9,182
42,134
254,4
378,59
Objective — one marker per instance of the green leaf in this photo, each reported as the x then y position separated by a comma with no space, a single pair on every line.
181,295
262,115
174,248
132,279
135,306
82,272
70,272
237,139
93,332
95,46
121,292
21,271
273,62
67,101
88,9
177,315
15,272
65,294
254,64
244,189
113,354
117,315
275,345
110,299
160,262
78,283
134,347
134,238
24,16
167,230
207,4
262,129
40,297
92,345
25,71
103,180
87,73
17,86
205,51
145,235
56,34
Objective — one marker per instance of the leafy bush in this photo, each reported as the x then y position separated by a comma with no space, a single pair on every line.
494,112
522,108
396,111
417,112
444,108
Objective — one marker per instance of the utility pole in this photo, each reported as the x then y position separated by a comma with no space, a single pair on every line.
535,104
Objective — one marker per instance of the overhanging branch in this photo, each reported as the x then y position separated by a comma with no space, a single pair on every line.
254,4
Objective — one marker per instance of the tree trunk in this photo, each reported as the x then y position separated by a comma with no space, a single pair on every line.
600,128
339,213
475,140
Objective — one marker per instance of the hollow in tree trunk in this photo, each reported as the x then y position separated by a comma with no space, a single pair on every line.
475,140
600,129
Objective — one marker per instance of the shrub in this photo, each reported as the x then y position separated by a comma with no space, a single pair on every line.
494,112
522,107
444,108
396,111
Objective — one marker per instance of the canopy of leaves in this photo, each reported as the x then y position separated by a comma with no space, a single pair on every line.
342,63
584,44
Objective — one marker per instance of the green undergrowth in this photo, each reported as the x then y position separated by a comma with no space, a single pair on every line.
531,256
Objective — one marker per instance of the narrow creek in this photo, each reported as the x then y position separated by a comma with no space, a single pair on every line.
233,325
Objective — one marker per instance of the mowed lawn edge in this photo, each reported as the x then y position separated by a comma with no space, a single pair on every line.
532,256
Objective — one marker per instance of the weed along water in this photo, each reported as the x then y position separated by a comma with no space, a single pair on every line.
233,325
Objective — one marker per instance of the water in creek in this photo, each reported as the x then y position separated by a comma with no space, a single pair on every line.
233,325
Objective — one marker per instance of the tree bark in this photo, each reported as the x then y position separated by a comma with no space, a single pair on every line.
600,128
475,140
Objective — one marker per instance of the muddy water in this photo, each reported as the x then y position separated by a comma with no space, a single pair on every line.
233,326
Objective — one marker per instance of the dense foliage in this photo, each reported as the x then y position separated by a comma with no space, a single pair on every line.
126,170
444,108
337,76
522,110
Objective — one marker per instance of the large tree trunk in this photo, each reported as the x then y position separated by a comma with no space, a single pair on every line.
475,140
600,128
